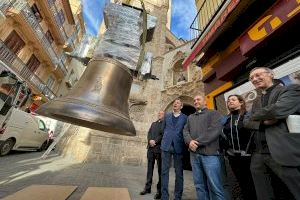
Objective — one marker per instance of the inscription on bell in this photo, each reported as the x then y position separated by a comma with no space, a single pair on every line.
98,84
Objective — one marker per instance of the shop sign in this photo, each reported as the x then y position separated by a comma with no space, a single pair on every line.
280,13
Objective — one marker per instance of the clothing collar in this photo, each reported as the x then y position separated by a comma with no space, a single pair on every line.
200,111
268,90
176,114
235,112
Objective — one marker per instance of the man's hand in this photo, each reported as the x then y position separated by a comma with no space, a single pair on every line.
152,143
270,122
193,145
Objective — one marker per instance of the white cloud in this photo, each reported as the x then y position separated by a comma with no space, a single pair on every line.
93,14
183,14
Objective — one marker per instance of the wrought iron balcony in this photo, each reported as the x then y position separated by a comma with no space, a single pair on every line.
5,4
59,23
205,16
18,66
31,19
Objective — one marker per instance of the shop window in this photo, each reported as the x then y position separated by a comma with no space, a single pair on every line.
14,42
36,12
49,37
61,17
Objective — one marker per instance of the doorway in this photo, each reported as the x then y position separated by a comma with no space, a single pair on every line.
187,110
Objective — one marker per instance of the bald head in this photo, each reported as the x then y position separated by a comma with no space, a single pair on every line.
199,102
161,115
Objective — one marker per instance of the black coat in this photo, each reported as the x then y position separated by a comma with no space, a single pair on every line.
238,137
155,133
284,147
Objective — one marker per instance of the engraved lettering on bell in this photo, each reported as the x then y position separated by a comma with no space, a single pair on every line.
98,84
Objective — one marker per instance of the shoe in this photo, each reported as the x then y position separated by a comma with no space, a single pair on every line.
157,196
145,192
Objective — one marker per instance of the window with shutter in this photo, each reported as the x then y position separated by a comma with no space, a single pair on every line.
49,37
32,65
14,42
36,12
61,17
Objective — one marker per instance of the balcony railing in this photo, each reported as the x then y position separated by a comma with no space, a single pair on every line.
15,63
31,19
205,16
73,37
5,4
59,24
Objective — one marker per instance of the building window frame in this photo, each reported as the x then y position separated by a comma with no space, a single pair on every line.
36,12
32,65
49,37
14,42
61,16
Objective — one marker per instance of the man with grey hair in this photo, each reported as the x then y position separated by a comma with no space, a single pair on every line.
172,145
276,149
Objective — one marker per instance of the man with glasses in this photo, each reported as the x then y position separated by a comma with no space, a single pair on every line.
276,149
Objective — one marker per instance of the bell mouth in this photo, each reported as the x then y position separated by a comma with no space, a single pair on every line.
99,118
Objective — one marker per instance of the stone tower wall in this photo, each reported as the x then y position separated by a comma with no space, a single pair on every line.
89,145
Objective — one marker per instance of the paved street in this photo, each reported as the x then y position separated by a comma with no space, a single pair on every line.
21,169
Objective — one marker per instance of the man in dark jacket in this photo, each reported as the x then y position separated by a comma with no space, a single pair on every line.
201,133
154,153
276,149
172,145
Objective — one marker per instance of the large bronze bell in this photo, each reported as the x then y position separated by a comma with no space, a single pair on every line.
99,100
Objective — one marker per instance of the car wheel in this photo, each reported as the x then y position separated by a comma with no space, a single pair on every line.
6,146
43,147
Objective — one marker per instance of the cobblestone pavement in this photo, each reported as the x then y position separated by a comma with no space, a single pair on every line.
21,169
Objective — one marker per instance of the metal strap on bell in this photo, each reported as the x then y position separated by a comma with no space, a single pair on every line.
99,100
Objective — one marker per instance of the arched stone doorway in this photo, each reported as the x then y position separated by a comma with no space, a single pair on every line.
187,110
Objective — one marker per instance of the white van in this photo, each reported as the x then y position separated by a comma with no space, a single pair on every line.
22,131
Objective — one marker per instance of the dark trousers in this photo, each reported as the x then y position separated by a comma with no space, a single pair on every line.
166,162
261,164
240,166
152,156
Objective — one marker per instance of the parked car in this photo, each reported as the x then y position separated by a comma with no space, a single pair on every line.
22,131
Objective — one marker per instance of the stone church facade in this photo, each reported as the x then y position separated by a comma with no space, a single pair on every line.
147,97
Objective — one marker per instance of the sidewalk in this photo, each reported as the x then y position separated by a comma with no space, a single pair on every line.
21,170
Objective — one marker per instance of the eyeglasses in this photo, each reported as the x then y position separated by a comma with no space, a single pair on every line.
257,75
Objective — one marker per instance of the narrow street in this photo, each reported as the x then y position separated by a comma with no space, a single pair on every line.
22,169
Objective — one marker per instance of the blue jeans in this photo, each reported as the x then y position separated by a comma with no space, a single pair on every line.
166,160
207,177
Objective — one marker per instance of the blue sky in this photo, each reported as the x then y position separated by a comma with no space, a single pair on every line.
93,14
183,13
